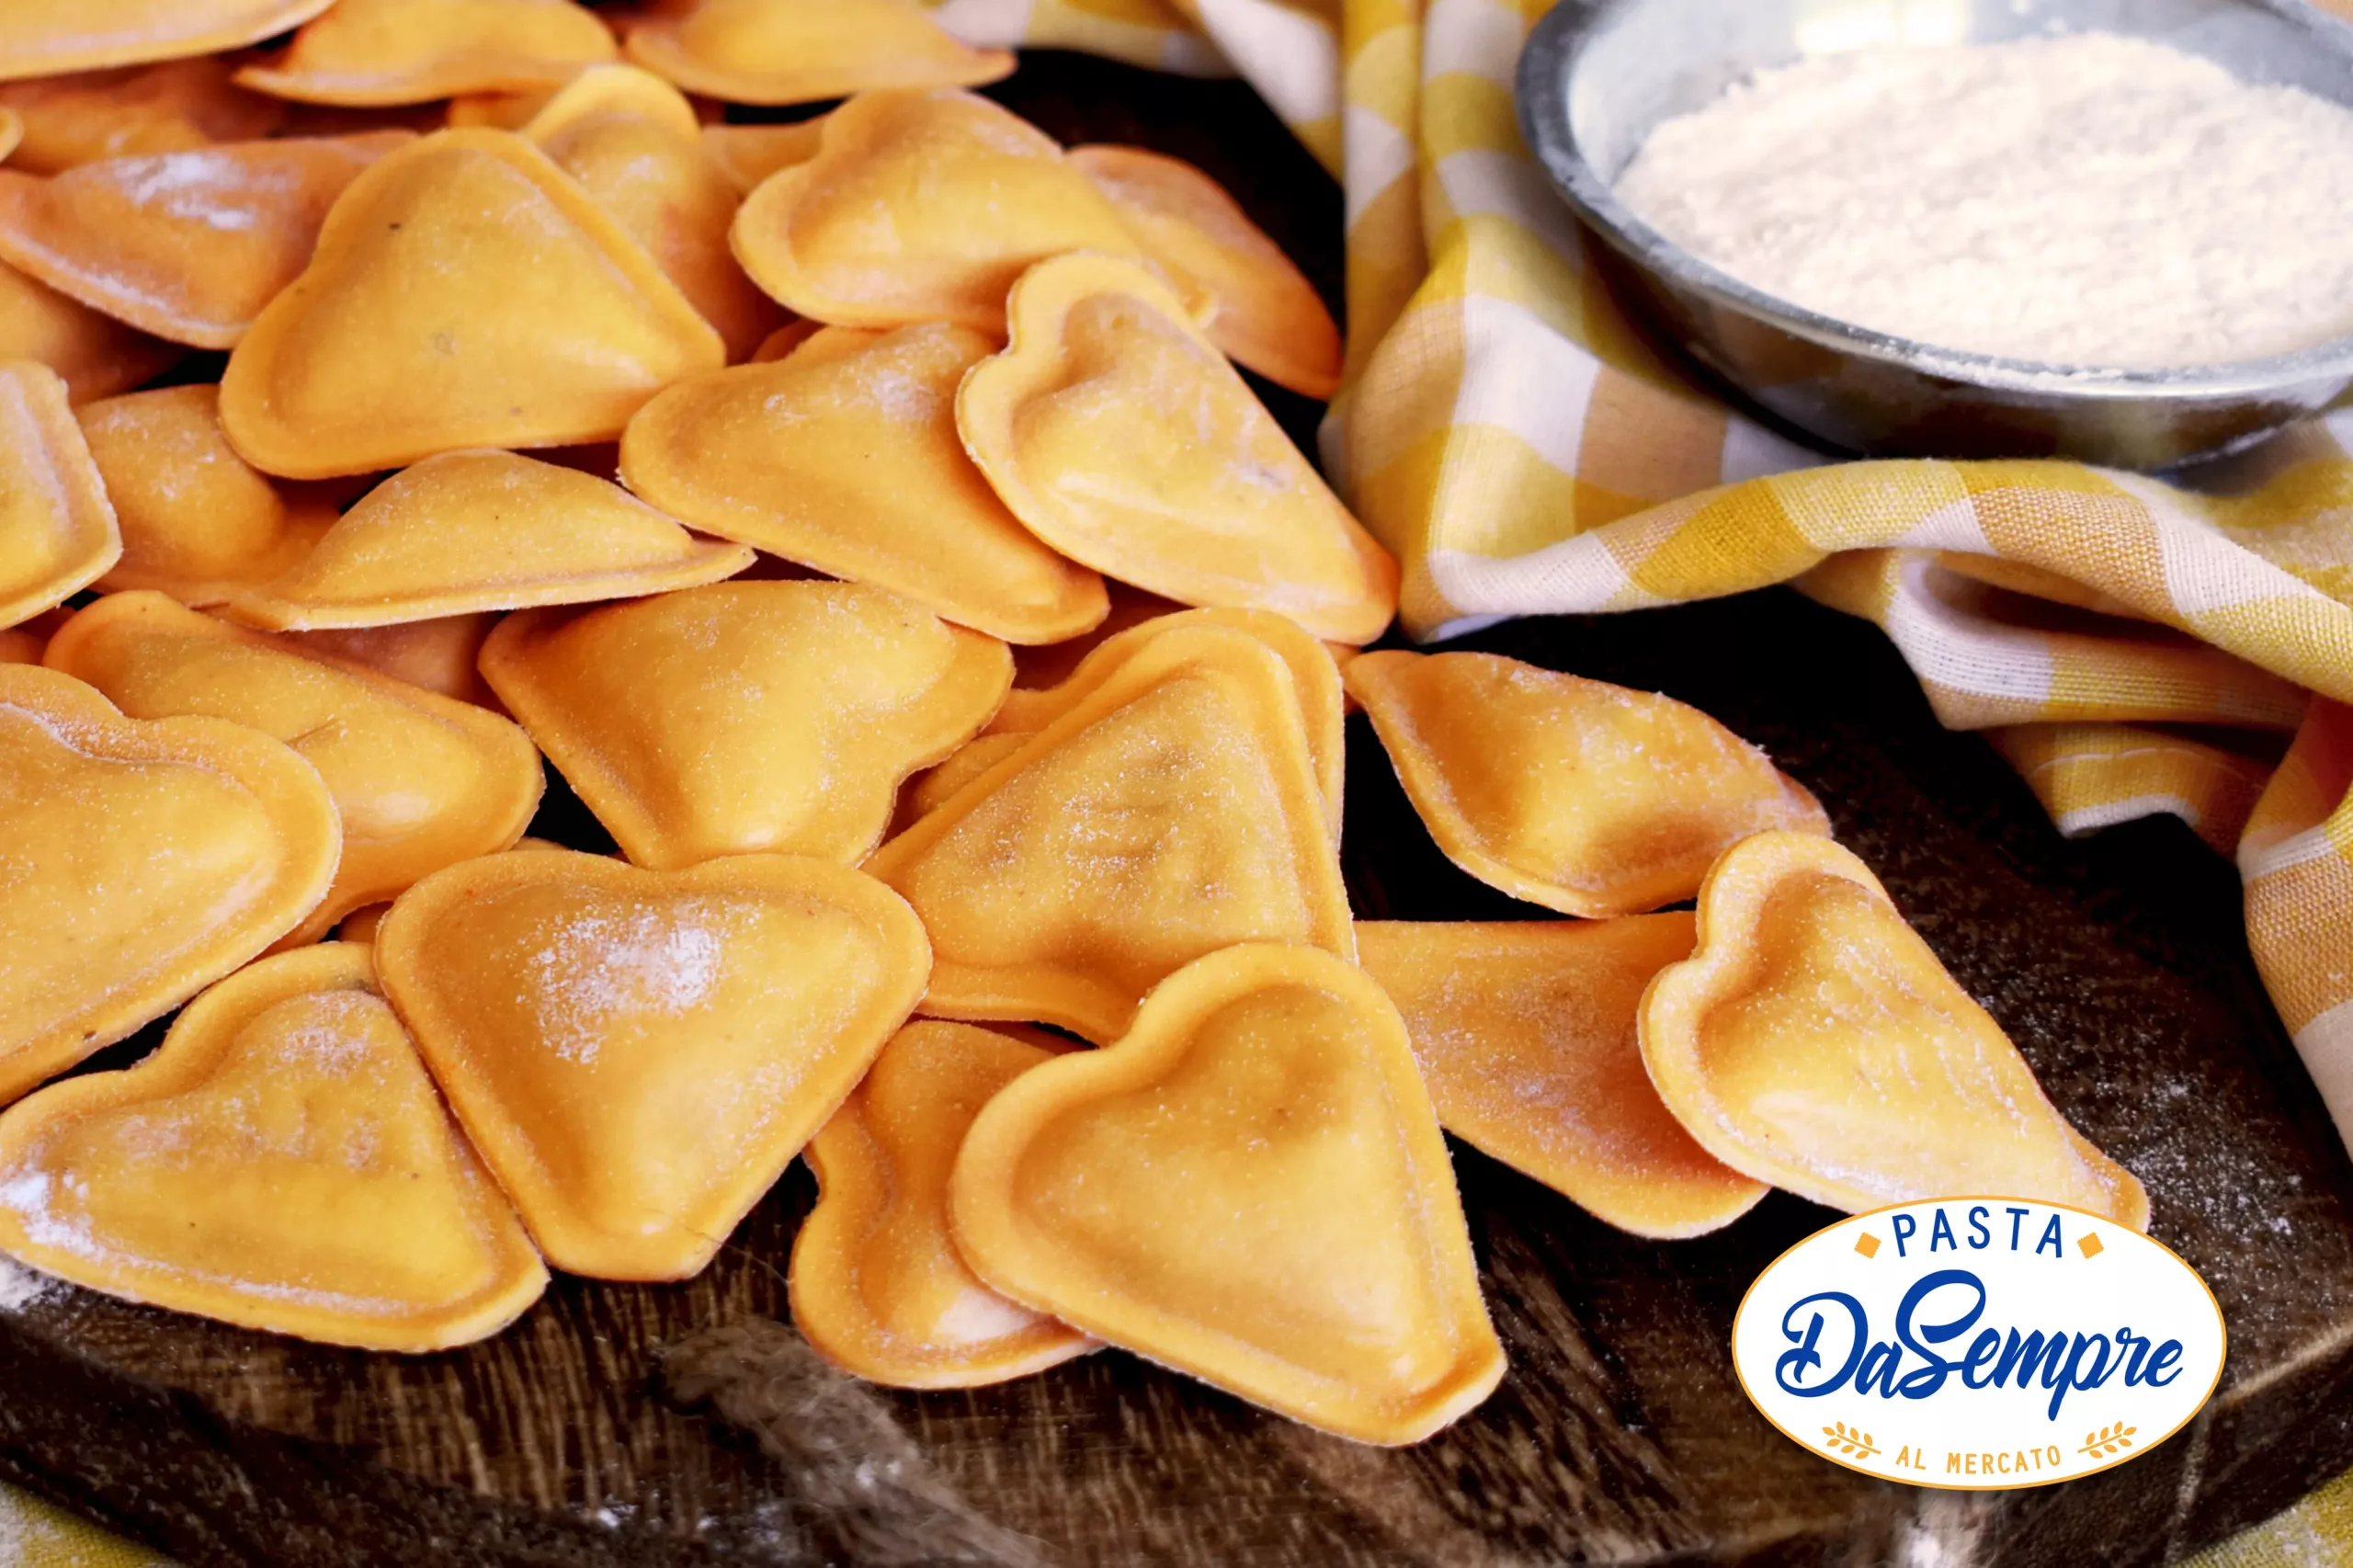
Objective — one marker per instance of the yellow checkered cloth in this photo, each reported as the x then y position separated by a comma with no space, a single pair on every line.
33,1534
1509,435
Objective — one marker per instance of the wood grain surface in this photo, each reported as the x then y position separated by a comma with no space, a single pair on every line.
686,1424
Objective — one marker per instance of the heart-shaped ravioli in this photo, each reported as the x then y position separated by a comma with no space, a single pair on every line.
281,1163
439,655
420,781
47,37
1581,796
639,1054
1251,1187
58,533
168,106
472,531
1268,315
919,206
747,155
1172,811
1115,429
1315,680
1814,1042
631,140
928,792
197,521
465,292
24,643
143,861
1047,665
360,925
501,111
187,245
745,716
786,338
372,53
1527,1034
843,456
799,52
877,1286
96,355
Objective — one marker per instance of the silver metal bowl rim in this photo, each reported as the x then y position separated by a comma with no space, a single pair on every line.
1545,121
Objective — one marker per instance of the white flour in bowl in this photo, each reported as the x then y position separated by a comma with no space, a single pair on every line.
2087,200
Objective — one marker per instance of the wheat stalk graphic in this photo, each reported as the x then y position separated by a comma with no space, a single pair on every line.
2108,1441
1841,1439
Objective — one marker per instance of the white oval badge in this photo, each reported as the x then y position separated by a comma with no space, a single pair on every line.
1978,1342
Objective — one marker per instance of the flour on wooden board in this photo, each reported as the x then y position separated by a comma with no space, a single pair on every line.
21,1287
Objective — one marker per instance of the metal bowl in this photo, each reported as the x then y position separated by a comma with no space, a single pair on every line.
1596,75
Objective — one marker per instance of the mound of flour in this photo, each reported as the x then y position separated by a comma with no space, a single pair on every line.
2087,200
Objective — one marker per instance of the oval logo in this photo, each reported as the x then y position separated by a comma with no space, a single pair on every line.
1978,1342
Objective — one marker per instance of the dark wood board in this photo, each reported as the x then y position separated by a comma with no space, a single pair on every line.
648,1426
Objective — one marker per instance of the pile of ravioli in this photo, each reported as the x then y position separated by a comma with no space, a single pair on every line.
865,516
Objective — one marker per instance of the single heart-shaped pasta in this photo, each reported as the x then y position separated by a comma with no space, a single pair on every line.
877,1286
168,106
639,1054
1117,432
799,52
1172,811
1814,1042
483,531
48,38
465,292
58,533
144,859
1314,678
374,53
1581,796
1250,1187
746,716
282,1163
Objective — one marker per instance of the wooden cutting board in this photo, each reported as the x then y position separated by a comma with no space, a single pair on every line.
647,1425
